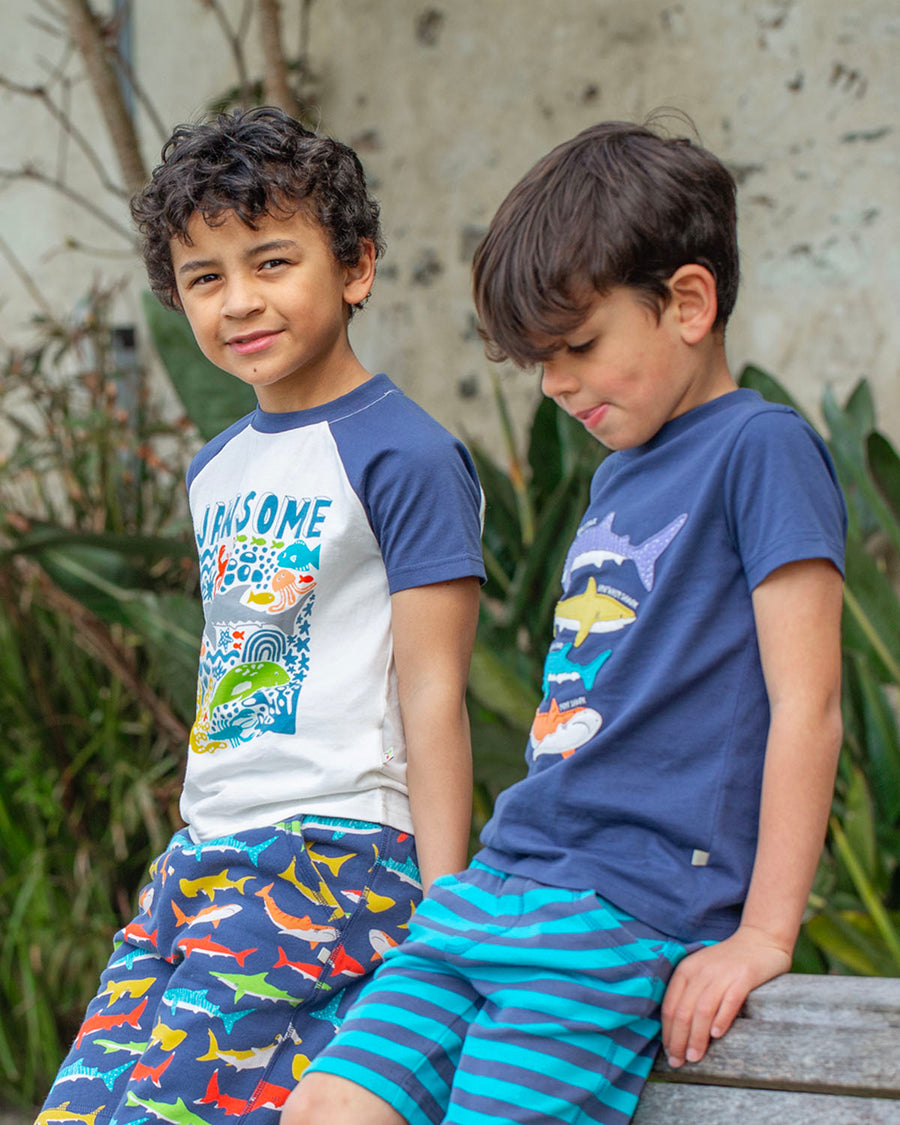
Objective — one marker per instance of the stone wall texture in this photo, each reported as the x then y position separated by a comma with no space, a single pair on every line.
450,102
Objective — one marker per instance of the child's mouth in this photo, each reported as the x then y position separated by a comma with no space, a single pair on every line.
593,417
252,342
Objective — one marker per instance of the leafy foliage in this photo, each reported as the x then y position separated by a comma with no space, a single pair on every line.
98,651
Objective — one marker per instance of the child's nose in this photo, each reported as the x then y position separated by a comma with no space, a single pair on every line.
558,378
242,298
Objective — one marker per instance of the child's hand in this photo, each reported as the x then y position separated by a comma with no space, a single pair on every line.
708,988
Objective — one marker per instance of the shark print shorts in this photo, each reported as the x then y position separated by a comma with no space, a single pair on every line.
237,971
510,1001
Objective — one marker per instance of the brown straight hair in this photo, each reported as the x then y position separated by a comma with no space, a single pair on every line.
617,205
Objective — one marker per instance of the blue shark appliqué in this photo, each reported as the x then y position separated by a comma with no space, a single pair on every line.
558,668
597,543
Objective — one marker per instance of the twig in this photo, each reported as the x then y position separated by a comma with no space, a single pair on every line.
27,280
234,38
29,172
65,122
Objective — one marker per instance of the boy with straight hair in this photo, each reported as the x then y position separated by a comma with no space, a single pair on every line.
329,772
653,866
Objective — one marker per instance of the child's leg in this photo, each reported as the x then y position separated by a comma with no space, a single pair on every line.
510,1001
270,935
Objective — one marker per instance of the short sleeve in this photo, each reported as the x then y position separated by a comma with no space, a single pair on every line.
783,500
421,494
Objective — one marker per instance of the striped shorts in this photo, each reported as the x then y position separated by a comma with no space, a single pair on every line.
510,1001
247,952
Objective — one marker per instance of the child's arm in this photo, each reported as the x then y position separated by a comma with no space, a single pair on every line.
798,612
434,630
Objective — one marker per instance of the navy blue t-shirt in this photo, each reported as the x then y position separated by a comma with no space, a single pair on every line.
646,754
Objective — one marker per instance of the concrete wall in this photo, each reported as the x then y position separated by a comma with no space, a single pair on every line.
449,103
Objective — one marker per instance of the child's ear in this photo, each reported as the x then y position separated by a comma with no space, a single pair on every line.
359,278
694,300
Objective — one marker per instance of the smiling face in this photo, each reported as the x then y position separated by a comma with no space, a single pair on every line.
624,373
269,305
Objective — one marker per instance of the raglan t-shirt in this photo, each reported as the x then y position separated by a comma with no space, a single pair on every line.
306,523
646,753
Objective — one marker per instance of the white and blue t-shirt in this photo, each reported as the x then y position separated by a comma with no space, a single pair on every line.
306,523
646,752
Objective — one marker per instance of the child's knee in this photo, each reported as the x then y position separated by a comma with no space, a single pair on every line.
324,1099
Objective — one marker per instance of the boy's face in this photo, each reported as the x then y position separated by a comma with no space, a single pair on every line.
270,306
624,374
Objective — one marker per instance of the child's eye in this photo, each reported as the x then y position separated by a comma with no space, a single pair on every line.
580,349
203,279
271,263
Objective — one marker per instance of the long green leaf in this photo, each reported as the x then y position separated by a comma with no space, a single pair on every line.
885,466
868,894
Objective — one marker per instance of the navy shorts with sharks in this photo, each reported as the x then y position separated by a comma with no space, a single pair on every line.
238,969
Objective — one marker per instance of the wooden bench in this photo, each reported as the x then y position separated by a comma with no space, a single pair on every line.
806,1050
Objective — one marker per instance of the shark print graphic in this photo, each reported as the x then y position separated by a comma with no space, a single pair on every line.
79,1070
592,612
196,1000
597,543
255,985
209,948
558,668
62,1115
105,1023
166,1038
299,927
563,731
253,1058
265,1096
209,884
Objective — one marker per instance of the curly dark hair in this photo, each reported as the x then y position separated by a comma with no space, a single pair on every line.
252,162
618,204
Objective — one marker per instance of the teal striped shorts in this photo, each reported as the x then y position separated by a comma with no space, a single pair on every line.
510,1001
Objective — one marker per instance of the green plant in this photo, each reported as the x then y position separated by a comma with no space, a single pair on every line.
98,628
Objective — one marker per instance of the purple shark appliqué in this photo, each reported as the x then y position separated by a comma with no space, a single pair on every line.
597,543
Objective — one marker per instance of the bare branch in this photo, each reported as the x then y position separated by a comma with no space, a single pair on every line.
276,87
234,39
29,172
143,99
64,120
86,33
27,280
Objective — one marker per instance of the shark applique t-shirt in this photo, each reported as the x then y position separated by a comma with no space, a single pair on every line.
306,523
646,752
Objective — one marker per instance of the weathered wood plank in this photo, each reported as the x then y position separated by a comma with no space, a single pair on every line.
848,1001
835,1035
786,1056
670,1104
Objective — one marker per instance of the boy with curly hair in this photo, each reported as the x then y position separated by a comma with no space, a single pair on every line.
338,529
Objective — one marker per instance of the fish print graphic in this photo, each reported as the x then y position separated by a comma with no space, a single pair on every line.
258,595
